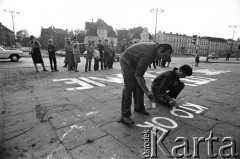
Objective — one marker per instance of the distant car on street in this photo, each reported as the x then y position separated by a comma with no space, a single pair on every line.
14,55
61,52
213,56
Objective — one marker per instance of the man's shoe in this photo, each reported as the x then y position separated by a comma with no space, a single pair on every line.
144,112
127,120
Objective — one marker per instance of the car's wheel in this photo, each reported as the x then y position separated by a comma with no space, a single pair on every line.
14,58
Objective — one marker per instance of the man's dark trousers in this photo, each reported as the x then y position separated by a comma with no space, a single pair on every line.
101,59
96,64
105,60
130,86
52,59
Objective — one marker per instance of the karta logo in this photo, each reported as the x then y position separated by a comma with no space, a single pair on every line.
153,140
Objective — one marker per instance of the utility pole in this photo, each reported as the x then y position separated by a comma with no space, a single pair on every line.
234,27
157,11
12,12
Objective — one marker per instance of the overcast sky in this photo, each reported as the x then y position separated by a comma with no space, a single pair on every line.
190,17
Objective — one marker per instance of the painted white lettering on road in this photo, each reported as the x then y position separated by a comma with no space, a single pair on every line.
196,81
210,72
83,85
108,79
188,115
92,82
197,109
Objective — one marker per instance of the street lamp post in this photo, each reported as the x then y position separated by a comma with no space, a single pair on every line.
12,12
234,27
157,11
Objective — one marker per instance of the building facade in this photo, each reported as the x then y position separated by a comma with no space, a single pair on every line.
183,44
234,45
6,36
99,31
58,36
140,35
137,34
179,42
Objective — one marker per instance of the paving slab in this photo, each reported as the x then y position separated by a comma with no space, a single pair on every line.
37,142
79,134
105,147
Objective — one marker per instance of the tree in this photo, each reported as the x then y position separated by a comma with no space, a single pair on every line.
23,37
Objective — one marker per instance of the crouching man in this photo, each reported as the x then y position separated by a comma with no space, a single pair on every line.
167,86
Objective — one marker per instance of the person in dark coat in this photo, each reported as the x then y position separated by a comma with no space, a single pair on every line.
52,56
106,54
36,53
101,49
134,62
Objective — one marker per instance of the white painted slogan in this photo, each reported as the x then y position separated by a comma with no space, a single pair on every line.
91,82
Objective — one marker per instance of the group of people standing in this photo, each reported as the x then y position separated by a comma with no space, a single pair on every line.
102,53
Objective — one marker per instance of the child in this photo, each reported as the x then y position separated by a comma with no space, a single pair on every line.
196,59
52,57
169,81
96,55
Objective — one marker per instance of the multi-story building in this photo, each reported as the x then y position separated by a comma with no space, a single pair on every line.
99,31
6,36
183,44
58,36
234,45
137,34
140,34
216,45
179,42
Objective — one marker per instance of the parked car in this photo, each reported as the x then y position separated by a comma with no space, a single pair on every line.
61,52
213,56
14,55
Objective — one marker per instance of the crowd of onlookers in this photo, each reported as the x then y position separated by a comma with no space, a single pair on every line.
102,53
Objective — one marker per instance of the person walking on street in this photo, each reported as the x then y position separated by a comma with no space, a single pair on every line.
197,57
101,49
89,56
227,57
52,56
134,62
36,53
